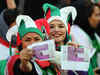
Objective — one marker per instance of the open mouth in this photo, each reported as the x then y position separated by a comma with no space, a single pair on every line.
57,34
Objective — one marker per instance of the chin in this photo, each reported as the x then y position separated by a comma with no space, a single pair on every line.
58,40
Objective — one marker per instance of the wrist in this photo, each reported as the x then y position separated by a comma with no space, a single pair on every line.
27,67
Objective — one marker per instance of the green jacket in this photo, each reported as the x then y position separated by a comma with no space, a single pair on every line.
93,61
2,66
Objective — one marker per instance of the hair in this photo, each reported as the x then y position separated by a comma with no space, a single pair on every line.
10,16
66,39
91,10
84,12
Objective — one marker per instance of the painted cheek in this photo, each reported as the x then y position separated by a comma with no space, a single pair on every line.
24,45
51,36
52,30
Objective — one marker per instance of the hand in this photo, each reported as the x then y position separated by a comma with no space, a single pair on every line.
73,44
57,59
25,56
11,4
97,71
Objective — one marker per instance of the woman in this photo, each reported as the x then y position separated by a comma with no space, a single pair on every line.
84,30
59,30
22,64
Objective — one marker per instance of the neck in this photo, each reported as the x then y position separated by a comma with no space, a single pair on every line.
59,43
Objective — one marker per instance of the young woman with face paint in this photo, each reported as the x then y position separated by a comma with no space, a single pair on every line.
58,31
21,64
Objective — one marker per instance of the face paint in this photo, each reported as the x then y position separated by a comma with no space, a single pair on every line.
57,30
30,38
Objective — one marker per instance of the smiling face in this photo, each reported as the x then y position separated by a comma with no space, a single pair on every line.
57,31
30,38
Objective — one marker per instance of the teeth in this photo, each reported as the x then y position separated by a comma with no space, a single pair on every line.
57,35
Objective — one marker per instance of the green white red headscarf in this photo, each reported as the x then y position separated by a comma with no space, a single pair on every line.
24,25
22,30
63,14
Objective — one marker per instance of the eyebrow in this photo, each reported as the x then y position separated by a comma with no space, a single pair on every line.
61,24
51,24
28,38
37,37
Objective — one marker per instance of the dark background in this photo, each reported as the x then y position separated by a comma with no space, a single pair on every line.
33,8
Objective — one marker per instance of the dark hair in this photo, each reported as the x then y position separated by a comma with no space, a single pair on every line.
84,12
66,39
91,9
10,15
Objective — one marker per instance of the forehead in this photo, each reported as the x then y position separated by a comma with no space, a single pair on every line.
96,9
31,35
56,21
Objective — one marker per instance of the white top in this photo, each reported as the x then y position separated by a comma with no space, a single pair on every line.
81,38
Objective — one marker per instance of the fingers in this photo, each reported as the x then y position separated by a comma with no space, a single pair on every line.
73,44
27,52
26,55
97,71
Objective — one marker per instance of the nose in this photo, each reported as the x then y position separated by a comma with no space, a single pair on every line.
56,29
32,41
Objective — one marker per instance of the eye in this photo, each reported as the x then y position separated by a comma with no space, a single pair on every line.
97,15
51,26
61,26
37,39
27,39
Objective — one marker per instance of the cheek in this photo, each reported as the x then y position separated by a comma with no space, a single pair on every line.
52,32
64,31
63,35
95,19
25,44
